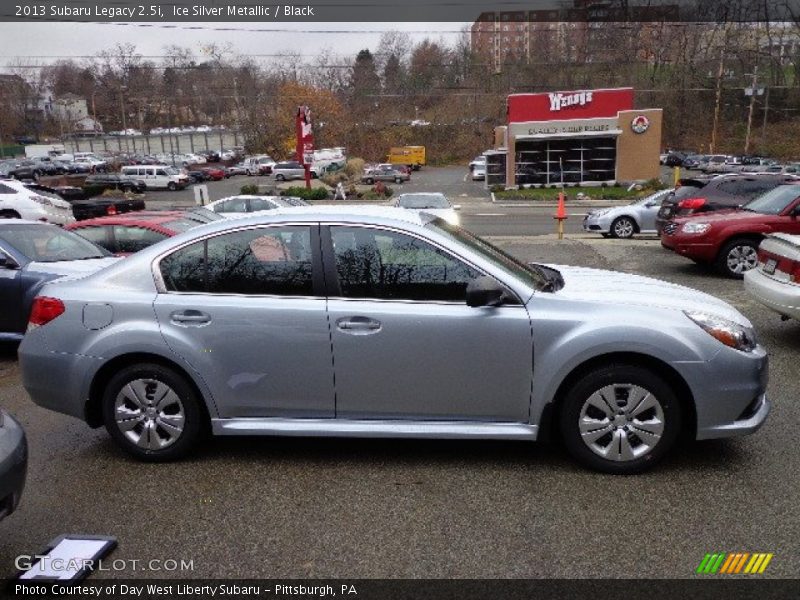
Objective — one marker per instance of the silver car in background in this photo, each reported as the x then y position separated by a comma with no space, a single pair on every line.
382,322
13,463
625,221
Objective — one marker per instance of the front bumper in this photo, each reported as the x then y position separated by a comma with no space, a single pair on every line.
729,392
690,247
13,465
596,223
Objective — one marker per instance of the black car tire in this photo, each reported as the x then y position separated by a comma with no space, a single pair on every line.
195,424
9,214
748,245
574,401
279,177
172,186
369,181
398,180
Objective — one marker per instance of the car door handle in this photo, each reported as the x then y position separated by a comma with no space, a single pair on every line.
358,325
190,317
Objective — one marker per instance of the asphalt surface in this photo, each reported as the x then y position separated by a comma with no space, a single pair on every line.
283,507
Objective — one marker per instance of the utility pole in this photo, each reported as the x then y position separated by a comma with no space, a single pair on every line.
753,92
764,125
713,145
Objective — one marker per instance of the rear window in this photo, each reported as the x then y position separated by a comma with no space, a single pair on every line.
747,188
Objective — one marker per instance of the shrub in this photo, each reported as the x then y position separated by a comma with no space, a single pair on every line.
354,168
497,188
317,193
249,190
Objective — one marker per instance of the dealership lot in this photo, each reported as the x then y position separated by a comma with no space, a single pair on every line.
405,508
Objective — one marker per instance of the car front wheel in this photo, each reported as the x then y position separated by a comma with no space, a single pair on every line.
172,186
279,177
623,228
737,257
620,419
152,413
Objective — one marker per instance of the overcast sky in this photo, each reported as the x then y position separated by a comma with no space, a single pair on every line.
55,40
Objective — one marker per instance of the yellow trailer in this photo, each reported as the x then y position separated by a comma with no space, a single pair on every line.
411,156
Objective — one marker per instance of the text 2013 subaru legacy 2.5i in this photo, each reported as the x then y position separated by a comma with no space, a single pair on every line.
383,322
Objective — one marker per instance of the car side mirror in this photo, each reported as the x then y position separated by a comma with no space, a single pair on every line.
456,207
796,211
6,262
485,291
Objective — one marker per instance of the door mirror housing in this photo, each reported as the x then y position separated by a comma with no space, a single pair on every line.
6,262
456,207
485,291
795,211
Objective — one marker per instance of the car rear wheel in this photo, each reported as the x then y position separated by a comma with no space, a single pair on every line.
623,228
152,412
737,257
172,186
398,180
9,214
279,177
620,419
369,181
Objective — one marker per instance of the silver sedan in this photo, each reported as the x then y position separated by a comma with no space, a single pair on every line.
385,322
625,221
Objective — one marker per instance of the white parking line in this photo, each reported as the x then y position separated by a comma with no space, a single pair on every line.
489,215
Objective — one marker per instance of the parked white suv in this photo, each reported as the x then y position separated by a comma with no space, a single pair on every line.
18,201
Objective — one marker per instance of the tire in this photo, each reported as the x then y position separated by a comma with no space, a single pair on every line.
9,214
172,186
606,235
738,256
398,180
369,181
180,423
623,228
604,434
279,177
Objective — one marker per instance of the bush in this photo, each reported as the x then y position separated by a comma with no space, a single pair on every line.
354,168
497,188
249,190
317,193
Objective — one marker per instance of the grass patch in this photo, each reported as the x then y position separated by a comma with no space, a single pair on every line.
591,193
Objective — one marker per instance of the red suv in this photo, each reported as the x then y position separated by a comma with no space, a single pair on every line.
729,239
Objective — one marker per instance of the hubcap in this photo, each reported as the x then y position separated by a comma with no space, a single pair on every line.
150,414
742,258
621,422
624,228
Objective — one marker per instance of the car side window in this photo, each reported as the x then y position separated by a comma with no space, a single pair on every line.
264,261
133,239
96,235
261,204
373,263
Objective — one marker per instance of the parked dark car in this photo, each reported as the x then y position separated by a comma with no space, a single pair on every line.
13,463
32,254
705,194
675,159
197,175
27,169
114,181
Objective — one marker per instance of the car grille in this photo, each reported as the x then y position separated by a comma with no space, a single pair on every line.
670,228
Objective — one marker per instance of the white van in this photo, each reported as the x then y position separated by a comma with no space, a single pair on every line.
261,164
157,177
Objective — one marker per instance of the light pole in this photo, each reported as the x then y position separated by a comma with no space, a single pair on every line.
122,89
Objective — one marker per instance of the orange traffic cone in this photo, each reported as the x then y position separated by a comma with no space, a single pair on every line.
561,215
561,211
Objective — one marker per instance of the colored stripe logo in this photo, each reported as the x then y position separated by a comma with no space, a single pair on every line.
733,563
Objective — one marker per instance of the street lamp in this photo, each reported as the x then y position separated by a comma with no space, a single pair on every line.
123,88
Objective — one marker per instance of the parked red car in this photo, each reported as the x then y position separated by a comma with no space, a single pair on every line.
131,232
215,173
729,239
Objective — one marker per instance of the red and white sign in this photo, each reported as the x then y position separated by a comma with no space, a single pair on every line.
561,106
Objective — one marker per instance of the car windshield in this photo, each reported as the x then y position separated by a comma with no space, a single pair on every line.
774,201
423,201
507,263
657,197
48,243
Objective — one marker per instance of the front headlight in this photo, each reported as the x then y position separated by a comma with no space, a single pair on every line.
695,227
729,333
453,220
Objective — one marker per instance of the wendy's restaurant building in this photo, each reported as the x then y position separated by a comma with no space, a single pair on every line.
586,137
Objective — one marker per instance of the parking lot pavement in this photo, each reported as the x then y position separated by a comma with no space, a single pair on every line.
286,507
